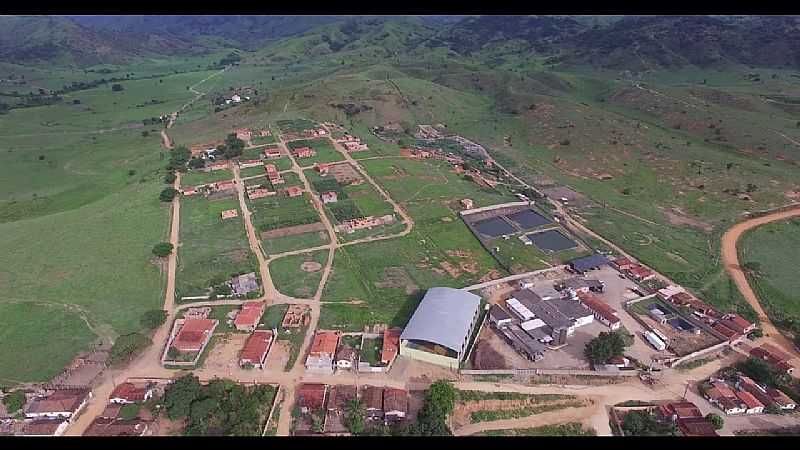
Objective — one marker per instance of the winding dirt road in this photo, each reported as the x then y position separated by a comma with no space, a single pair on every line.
730,259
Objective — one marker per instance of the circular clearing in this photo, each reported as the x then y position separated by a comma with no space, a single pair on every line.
311,266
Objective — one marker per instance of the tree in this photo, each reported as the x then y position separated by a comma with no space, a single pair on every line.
129,411
14,401
126,346
715,420
162,249
116,87
145,133
179,396
170,177
354,416
604,347
439,403
752,266
168,194
153,318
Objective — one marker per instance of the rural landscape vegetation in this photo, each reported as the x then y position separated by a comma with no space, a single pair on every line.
330,171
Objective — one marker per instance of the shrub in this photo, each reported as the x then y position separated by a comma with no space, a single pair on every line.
167,194
14,401
129,411
127,346
604,347
169,178
716,420
162,249
153,318
116,87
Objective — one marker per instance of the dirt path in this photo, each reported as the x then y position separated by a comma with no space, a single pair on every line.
546,418
730,259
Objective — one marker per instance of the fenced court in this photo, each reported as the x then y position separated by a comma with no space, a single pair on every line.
552,241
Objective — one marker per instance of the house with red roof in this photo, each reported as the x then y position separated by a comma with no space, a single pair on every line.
127,393
311,397
622,263
323,351
249,316
59,404
329,197
753,406
322,168
391,345
294,191
725,399
773,356
602,312
737,323
193,334
395,405
729,334
256,348
304,152
781,399
272,153
44,427
697,427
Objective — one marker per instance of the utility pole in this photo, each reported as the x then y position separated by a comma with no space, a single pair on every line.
685,391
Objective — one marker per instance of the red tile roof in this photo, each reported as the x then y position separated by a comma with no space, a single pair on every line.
249,315
256,347
681,298
780,397
640,272
395,400
725,331
45,427
372,397
599,307
116,427
623,262
294,191
697,427
391,344
684,410
325,342
311,396
749,399
193,334
130,392
62,400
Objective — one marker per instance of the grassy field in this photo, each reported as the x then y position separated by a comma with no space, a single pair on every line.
291,280
296,242
252,172
774,247
67,334
212,250
195,178
281,211
566,429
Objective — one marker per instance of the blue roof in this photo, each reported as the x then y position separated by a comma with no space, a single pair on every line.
588,262
444,317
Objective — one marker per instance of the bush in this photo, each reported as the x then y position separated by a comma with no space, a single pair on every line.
127,346
129,411
167,194
154,318
162,249
116,87
170,177
14,401
604,347
716,420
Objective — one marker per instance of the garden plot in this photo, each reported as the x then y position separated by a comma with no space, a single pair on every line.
199,177
325,152
280,211
212,250
299,275
552,241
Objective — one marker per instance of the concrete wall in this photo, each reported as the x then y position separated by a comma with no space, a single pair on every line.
451,363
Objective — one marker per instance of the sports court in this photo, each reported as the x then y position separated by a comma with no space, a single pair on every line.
494,227
528,219
552,241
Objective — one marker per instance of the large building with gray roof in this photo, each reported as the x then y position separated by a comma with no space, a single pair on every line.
440,328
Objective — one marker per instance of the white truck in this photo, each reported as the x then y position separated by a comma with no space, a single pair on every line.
654,340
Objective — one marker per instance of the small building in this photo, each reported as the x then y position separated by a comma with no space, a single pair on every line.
737,323
273,175
217,166
701,427
272,153
577,284
189,191
294,317
230,214
127,393
622,263
304,152
391,345
729,334
44,427
773,356
194,334
311,397
59,404
640,273
680,410
346,357
248,317
602,312
294,191
439,330
329,197
259,193
323,350
781,399
256,348
372,399
395,405
499,317
237,99
753,405
244,284
322,168
246,164
587,263
669,291
467,203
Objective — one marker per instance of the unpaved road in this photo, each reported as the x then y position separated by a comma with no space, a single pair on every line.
730,259
537,420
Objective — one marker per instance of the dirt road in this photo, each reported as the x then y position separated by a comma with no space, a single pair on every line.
546,418
730,259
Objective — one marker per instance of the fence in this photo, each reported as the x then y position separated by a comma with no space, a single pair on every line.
532,372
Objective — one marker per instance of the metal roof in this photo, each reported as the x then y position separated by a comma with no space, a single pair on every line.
589,262
443,317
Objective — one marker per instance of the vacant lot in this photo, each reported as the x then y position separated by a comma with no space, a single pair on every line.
198,177
212,250
281,211
297,242
299,275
